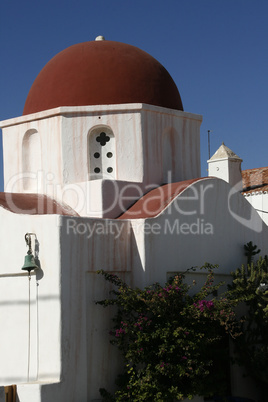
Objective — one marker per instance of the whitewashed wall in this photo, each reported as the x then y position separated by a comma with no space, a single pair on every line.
207,222
71,357
260,202
42,361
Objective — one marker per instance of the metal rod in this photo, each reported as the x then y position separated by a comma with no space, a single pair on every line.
208,144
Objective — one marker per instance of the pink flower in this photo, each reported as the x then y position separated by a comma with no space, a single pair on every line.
202,304
119,331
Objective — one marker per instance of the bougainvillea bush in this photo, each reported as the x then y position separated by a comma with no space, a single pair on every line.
173,344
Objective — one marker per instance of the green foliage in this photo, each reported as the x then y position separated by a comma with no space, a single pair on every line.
250,251
171,342
249,291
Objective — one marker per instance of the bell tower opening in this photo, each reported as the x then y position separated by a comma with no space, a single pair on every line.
101,152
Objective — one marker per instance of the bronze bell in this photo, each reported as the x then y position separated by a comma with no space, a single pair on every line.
29,263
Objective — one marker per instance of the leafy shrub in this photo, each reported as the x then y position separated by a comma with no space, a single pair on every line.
249,291
172,343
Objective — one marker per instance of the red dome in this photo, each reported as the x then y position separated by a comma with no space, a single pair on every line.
102,73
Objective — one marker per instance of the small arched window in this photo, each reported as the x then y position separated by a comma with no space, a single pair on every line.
31,160
101,151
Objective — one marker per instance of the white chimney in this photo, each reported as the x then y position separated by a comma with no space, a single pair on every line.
226,165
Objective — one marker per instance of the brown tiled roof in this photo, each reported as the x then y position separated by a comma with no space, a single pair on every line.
255,180
156,200
34,204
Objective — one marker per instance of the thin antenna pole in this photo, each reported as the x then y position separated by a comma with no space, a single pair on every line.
209,144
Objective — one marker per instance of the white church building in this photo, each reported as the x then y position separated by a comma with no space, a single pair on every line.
102,171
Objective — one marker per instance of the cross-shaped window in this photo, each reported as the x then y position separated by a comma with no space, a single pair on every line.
103,138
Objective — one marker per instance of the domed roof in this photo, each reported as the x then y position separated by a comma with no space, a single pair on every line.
100,73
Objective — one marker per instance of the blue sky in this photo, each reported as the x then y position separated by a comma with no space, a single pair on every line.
215,50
